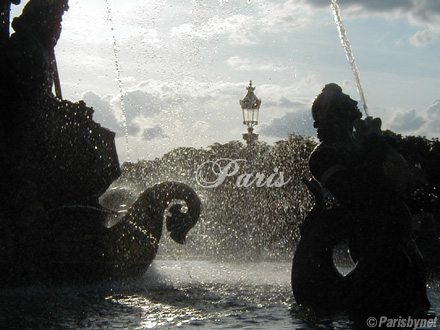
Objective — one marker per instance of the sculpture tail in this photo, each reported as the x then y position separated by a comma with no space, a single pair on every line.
133,242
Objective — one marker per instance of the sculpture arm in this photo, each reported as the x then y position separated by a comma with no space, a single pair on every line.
353,174
334,173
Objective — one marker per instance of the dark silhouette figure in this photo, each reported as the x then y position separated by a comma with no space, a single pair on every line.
56,164
78,249
29,67
5,9
55,154
367,179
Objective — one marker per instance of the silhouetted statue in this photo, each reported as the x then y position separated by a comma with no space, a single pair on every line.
56,164
29,66
56,154
5,9
67,245
367,179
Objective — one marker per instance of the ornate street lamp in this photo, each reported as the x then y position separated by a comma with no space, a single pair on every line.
250,106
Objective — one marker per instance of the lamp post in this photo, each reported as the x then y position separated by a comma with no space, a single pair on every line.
250,106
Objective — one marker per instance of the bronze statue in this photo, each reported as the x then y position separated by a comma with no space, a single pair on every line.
57,163
30,65
73,243
5,9
367,179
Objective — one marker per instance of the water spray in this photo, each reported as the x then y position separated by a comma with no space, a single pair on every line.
119,79
348,51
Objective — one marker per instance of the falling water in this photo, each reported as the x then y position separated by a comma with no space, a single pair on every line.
349,53
119,79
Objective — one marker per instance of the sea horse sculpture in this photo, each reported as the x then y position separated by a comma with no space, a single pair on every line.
58,163
367,179
315,279
73,243
132,243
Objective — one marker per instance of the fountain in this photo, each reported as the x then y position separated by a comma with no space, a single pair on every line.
118,71
57,164
367,179
57,175
348,52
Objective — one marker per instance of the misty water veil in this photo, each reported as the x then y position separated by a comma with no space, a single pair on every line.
159,81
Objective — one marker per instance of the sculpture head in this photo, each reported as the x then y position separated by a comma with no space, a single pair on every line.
179,223
43,18
334,112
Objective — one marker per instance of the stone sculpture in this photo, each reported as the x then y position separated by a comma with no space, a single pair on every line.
56,163
367,179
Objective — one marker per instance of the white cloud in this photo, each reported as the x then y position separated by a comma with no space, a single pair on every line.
108,113
433,119
434,109
151,36
425,13
347,85
406,121
185,65
195,113
241,29
238,28
295,122
422,38
103,113
244,64
152,133
423,123
420,13
201,126
138,102
287,16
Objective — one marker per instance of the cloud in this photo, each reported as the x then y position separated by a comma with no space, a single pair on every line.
244,64
241,29
298,122
406,121
425,13
290,15
422,38
103,113
138,102
201,126
168,114
434,109
162,109
146,103
433,118
152,133
424,123
151,37
238,28
364,8
285,103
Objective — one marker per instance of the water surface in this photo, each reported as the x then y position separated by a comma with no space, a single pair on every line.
185,294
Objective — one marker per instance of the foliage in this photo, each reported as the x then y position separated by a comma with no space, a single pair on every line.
259,222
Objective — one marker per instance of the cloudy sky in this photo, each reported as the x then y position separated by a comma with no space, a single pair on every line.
175,70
